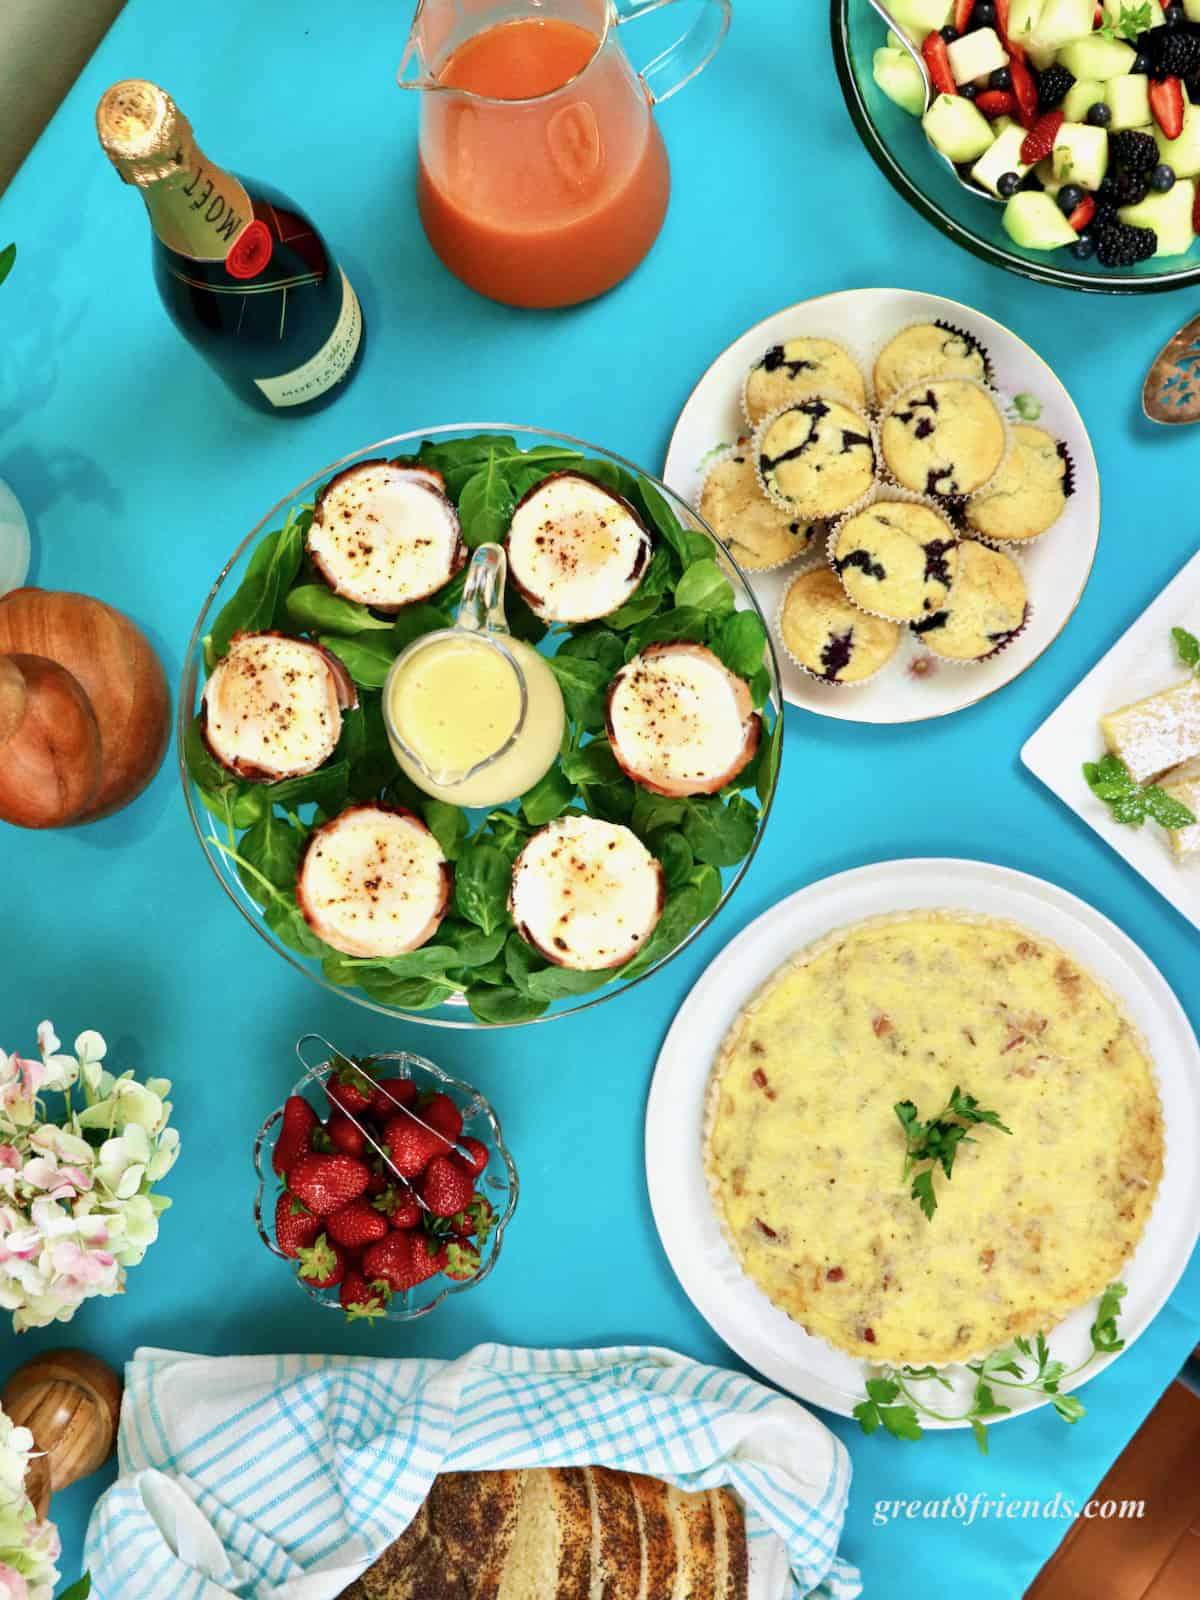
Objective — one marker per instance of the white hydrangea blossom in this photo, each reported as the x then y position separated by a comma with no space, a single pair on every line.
29,1549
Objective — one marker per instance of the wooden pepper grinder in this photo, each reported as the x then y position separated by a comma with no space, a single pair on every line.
84,709
71,1402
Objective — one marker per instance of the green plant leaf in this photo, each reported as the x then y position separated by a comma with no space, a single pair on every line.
448,825
430,961
901,1422
584,686
313,608
705,587
368,659
482,879
1166,810
654,811
534,976
599,644
548,798
592,763
1104,1329
270,574
766,772
684,622
486,504
7,256
1187,644
720,834
689,544
680,915
508,831
327,787
365,750
740,641
82,1587
980,1433
272,847
639,608
707,883
675,854
503,1004
867,1416
472,947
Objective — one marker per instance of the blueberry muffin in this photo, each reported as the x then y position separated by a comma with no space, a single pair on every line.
896,559
817,458
987,607
789,371
829,637
945,438
930,350
759,533
1028,494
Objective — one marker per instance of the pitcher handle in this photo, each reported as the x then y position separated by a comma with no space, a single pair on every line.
680,62
481,609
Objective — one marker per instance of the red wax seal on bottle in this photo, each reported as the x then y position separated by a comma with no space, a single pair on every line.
251,252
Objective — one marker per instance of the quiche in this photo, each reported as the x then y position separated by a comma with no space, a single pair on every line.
805,1155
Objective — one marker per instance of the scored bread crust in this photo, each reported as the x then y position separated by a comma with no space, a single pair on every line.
617,1540
660,1559
695,1538
474,1515
733,1556
570,1488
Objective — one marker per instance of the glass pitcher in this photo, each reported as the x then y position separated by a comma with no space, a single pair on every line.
543,179
474,716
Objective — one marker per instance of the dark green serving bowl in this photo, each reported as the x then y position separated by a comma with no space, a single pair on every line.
898,144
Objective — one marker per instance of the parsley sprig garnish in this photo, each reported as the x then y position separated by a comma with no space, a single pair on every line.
1134,20
1110,780
937,1141
892,1404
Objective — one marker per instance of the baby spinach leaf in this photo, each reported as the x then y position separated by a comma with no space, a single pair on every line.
236,803
458,460
448,825
641,606
688,543
430,961
598,644
720,834
272,848
707,883
482,880
584,686
271,572
368,659
654,811
680,914
327,787
365,749
760,687
740,641
507,831
409,994
523,621
503,1004
592,763
534,976
684,622
705,587
767,770
675,854
472,948
486,504
315,609
609,474
657,577
415,621
611,802
548,798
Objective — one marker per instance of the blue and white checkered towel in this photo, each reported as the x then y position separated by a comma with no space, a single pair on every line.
286,1476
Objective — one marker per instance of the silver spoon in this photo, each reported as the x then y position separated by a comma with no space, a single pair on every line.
1171,393
968,184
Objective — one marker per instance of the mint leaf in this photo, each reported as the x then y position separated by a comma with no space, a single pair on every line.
1166,810
1110,780
1186,644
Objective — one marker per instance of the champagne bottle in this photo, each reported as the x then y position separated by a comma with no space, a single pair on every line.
244,275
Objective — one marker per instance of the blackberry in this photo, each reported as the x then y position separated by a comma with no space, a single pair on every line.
1119,245
1130,188
1052,87
1136,152
1174,52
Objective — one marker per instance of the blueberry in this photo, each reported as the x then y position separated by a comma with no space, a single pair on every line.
984,15
967,91
1141,64
1001,78
1162,178
1099,114
1173,15
949,33
1084,247
1009,183
1069,196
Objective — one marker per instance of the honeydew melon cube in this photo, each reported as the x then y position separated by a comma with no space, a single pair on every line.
1042,56
1191,10
958,129
1157,19
1080,154
898,75
1004,156
1183,153
1033,219
1023,18
1080,98
1045,172
1098,57
919,18
1129,100
1060,22
976,55
1170,215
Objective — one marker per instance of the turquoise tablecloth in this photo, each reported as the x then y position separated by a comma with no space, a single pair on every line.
140,474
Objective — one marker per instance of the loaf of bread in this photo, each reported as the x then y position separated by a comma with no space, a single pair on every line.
563,1533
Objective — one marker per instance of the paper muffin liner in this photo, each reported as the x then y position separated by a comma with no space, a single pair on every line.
979,661
817,677
818,525
878,347
894,495
872,428
886,474
1020,543
848,353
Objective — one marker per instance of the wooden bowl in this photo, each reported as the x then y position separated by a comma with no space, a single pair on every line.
71,1402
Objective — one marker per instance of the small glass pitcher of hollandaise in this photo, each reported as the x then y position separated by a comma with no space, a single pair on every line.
474,716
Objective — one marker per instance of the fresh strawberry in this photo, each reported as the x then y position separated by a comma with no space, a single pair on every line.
379,1182
996,103
1024,91
356,1225
391,1262
412,1146
477,1153
479,1218
295,1225
299,1120
962,15
343,1136
322,1264
441,1113
428,1255
363,1301
937,59
1167,102
447,1186
327,1183
389,1095
1196,211
400,1207
1083,213
462,1260
1039,141
1002,24
349,1088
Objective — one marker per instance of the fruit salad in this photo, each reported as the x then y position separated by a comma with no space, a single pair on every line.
1084,118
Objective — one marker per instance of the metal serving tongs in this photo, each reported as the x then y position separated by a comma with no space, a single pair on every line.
966,183
312,1074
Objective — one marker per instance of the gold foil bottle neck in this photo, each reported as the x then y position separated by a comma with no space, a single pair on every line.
143,131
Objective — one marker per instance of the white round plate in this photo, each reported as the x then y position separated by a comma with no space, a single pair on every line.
683,1210
1057,566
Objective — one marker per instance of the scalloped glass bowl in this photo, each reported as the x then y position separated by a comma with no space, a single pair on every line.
454,1013
498,1180
897,142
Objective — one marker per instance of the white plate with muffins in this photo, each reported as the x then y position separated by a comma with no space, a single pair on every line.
842,1233
908,489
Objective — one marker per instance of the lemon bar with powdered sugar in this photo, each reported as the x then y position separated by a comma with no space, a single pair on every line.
1153,736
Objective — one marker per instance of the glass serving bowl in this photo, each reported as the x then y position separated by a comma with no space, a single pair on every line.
453,1012
498,1180
901,150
